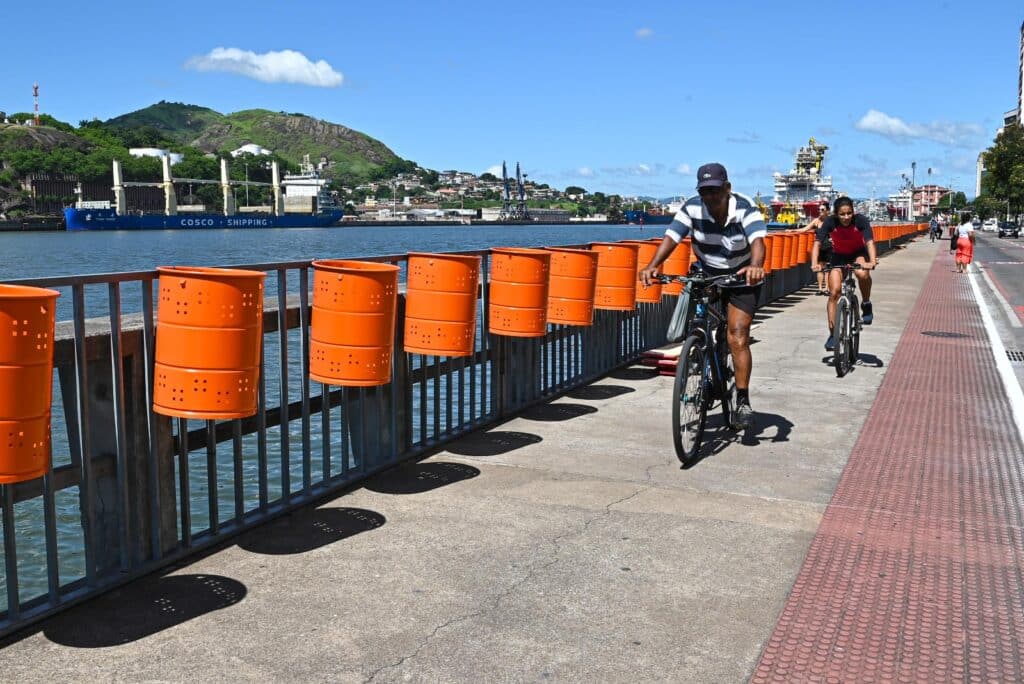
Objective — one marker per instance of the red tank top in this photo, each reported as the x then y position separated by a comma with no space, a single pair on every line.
847,239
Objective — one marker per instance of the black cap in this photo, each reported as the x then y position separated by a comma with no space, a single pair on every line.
711,175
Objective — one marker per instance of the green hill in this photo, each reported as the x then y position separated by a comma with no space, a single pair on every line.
290,136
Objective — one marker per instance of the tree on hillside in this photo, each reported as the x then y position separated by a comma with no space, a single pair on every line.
1004,168
489,177
575,190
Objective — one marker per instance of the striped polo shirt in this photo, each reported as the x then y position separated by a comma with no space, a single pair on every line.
720,249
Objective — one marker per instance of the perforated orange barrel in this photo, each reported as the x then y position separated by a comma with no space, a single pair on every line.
650,294
616,276
677,263
27,316
518,301
572,285
352,332
806,239
441,304
778,251
208,333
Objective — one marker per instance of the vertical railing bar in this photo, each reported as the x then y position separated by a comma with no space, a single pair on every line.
473,366
282,336
183,483
261,427
50,531
87,485
423,398
364,437
238,466
345,429
436,397
449,396
211,476
325,423
307,456
152,479
121,448
462,391
10,552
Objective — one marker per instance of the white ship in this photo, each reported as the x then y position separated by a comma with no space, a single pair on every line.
805,186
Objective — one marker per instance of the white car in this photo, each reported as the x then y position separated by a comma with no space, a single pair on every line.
990,225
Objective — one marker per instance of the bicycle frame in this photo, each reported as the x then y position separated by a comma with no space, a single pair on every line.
847,324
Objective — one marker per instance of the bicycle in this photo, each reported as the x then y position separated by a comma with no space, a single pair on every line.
847,327
701,377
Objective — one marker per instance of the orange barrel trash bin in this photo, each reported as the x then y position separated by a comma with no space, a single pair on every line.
616,276
677,264
644,253
518,301
27,317
441,304
352,331
572,286
209,330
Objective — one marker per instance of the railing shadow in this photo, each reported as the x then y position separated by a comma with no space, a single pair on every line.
634,373
599,392
492,443
309,529
416,478
143,608
552,413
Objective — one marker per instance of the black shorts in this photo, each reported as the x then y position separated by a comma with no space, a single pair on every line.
743,298
844,259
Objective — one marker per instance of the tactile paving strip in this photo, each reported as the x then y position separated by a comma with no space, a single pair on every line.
915,574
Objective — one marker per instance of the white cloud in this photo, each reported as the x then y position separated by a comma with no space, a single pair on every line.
683,169
285,66
494,170
946,132
644,33
585,171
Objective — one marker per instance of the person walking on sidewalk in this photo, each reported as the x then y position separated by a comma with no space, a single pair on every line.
964,235
826,247
727,232
852,242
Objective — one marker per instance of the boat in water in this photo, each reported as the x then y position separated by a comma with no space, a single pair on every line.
800,193
641,217
305,203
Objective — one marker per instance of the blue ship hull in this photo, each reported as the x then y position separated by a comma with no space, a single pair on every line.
642,217
108,219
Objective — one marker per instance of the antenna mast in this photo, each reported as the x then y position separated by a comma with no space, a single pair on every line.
35,101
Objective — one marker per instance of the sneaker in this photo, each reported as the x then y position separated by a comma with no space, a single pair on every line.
866,316
830,343
742,417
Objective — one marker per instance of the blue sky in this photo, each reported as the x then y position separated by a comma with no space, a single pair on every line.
614,96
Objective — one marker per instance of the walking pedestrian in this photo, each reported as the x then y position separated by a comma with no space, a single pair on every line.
964,241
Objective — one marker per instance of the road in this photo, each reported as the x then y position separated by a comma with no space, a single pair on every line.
1000,262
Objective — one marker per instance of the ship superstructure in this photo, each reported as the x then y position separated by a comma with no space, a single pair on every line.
806,181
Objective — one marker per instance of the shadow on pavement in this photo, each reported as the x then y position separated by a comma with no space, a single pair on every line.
493,443
416,478
598,392
143,608
634,373
309,529
551,413
763,422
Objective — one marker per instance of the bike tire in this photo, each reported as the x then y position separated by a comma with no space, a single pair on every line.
728,380
855,325
841,353
689,400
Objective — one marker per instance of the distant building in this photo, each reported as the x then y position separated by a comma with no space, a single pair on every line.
155,152
926,197
251,148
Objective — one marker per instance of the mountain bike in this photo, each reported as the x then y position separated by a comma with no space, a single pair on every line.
704,371
846,330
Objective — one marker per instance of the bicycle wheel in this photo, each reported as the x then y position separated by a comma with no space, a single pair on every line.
728,379
854,330
841,354
689,400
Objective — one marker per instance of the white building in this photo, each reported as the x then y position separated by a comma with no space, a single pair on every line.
155,152
251,148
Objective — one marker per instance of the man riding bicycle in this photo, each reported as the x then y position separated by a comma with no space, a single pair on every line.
727,232
852,242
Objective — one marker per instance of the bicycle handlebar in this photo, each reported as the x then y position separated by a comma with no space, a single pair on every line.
700,279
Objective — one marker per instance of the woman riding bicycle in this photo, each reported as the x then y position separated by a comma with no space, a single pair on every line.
852,242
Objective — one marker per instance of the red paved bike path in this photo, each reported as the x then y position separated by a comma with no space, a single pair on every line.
915,573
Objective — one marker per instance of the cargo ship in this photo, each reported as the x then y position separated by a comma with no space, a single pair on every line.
800,193
304,204
641,217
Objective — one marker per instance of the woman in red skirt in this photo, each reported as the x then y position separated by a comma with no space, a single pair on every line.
964,243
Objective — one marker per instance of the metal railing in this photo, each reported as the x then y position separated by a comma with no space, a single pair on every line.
130,491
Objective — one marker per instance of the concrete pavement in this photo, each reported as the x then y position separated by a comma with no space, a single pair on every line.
564,545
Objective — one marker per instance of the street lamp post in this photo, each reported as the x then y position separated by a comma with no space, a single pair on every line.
913,186
928,211
246,183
